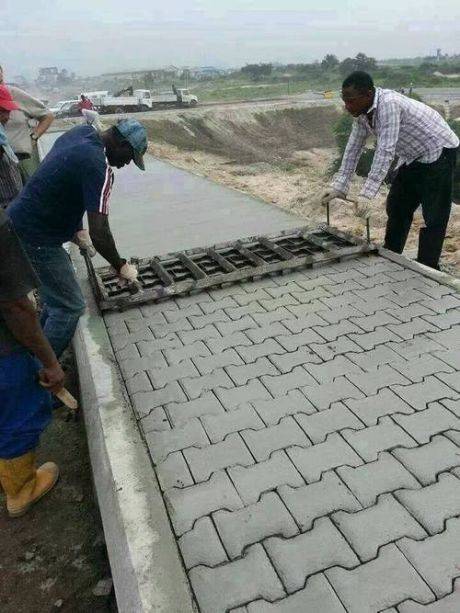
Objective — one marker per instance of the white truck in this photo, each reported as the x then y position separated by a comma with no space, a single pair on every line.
142,100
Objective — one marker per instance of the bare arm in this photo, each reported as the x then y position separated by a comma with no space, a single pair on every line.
22,321
43,124
102,239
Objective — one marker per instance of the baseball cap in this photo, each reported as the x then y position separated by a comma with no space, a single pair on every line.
6,100
134,132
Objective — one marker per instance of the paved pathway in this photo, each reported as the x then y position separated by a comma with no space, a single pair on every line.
305,431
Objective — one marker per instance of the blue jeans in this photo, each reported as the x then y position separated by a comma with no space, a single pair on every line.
60,294
25,406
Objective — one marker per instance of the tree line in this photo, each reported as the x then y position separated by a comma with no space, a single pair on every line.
256,72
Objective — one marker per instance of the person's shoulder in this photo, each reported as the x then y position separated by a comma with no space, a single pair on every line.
24,99
391,100
89,147
86,137
17,92
387,94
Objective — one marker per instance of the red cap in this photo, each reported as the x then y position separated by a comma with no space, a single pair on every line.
6,100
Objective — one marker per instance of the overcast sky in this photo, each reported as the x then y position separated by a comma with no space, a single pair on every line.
93,36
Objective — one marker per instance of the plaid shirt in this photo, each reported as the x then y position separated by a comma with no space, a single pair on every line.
404,128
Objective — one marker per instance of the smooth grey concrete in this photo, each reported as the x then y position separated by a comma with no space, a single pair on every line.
166,209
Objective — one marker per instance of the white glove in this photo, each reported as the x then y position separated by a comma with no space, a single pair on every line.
83,241
363,207
329,194
92,118
127,273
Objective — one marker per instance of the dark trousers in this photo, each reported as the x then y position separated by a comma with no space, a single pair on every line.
428,185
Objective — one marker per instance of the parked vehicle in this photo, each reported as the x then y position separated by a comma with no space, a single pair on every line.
142,100
66,108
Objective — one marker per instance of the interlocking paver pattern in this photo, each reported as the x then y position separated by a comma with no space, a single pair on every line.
297,558
305,431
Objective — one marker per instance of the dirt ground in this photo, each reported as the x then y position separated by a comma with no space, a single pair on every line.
54,558
297,187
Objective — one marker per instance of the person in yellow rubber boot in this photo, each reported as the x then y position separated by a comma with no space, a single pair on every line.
29,371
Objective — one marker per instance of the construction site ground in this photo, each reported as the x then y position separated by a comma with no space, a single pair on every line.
305,433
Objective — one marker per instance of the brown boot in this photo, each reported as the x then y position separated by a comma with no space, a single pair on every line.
24,484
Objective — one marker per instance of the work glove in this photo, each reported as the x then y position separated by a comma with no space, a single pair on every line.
329,194
127,274
363,207
83,241
92,118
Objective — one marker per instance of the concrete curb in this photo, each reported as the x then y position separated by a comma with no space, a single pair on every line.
146,565
437,275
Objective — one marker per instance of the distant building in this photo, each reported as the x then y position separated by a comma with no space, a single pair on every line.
47,76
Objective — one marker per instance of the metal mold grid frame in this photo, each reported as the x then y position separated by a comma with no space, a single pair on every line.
183,272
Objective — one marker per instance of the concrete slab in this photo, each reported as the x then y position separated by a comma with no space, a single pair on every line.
167,209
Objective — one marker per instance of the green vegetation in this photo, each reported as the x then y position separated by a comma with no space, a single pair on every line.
267,81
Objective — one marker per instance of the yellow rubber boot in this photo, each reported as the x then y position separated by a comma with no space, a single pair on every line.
23,484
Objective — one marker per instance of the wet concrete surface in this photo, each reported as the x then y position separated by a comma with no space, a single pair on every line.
167,209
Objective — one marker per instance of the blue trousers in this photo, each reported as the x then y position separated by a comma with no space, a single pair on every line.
25,407
61,296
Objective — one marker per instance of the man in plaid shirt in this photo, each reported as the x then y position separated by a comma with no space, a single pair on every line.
425,150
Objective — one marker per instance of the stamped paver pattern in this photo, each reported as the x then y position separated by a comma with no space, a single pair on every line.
305,432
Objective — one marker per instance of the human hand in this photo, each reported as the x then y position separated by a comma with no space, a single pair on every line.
329,194
363,207
127,274
82,240
52,377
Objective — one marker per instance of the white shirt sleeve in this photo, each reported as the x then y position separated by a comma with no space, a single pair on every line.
353,150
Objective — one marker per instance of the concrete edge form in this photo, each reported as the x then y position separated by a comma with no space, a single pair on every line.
146,565
437,275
